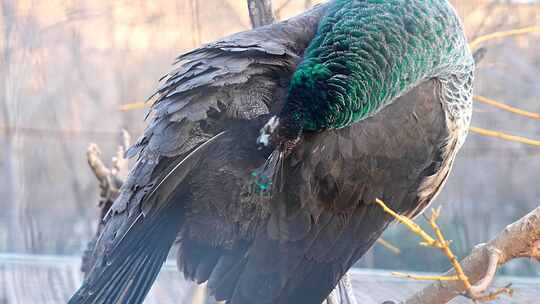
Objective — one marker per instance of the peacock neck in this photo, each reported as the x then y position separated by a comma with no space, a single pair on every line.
366,53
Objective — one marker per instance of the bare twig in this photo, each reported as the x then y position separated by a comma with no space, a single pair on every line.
505,136
134,106
390,247
504,34
518,240
458,277
507,108
445,247
424,278
428,240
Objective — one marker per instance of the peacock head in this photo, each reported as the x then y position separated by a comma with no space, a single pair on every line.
267,134
279,133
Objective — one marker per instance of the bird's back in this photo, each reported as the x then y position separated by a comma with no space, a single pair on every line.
294,247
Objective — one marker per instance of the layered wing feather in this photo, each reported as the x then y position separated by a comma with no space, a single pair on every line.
239,77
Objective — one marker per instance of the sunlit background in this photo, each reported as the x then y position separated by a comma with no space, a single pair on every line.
67,67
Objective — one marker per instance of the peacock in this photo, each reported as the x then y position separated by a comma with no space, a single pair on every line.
266,150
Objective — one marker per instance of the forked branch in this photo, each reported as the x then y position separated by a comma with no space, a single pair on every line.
518,240
474,275
110,180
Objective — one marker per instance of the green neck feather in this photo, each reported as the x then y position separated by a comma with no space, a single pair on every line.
369,52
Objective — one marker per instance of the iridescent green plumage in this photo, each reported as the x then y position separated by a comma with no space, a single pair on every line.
369,52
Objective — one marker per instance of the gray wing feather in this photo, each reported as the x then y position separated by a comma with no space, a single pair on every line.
240,77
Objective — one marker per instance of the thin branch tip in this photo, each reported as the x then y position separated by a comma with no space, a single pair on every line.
457,282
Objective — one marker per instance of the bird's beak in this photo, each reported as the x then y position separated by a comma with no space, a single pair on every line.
263,140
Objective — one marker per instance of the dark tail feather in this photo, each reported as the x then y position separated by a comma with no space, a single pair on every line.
224,277
147,278
129,275
135,243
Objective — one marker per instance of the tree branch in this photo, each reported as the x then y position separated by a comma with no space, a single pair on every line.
493,264
110,182
518,240
260,12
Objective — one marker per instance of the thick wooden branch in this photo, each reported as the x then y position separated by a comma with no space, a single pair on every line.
518,240
260,12
485,282
110,181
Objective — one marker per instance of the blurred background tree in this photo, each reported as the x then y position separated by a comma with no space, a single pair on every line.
68,67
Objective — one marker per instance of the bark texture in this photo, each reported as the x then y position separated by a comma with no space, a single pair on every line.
110,181
518,240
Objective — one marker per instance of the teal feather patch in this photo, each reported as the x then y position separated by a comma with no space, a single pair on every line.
266,178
